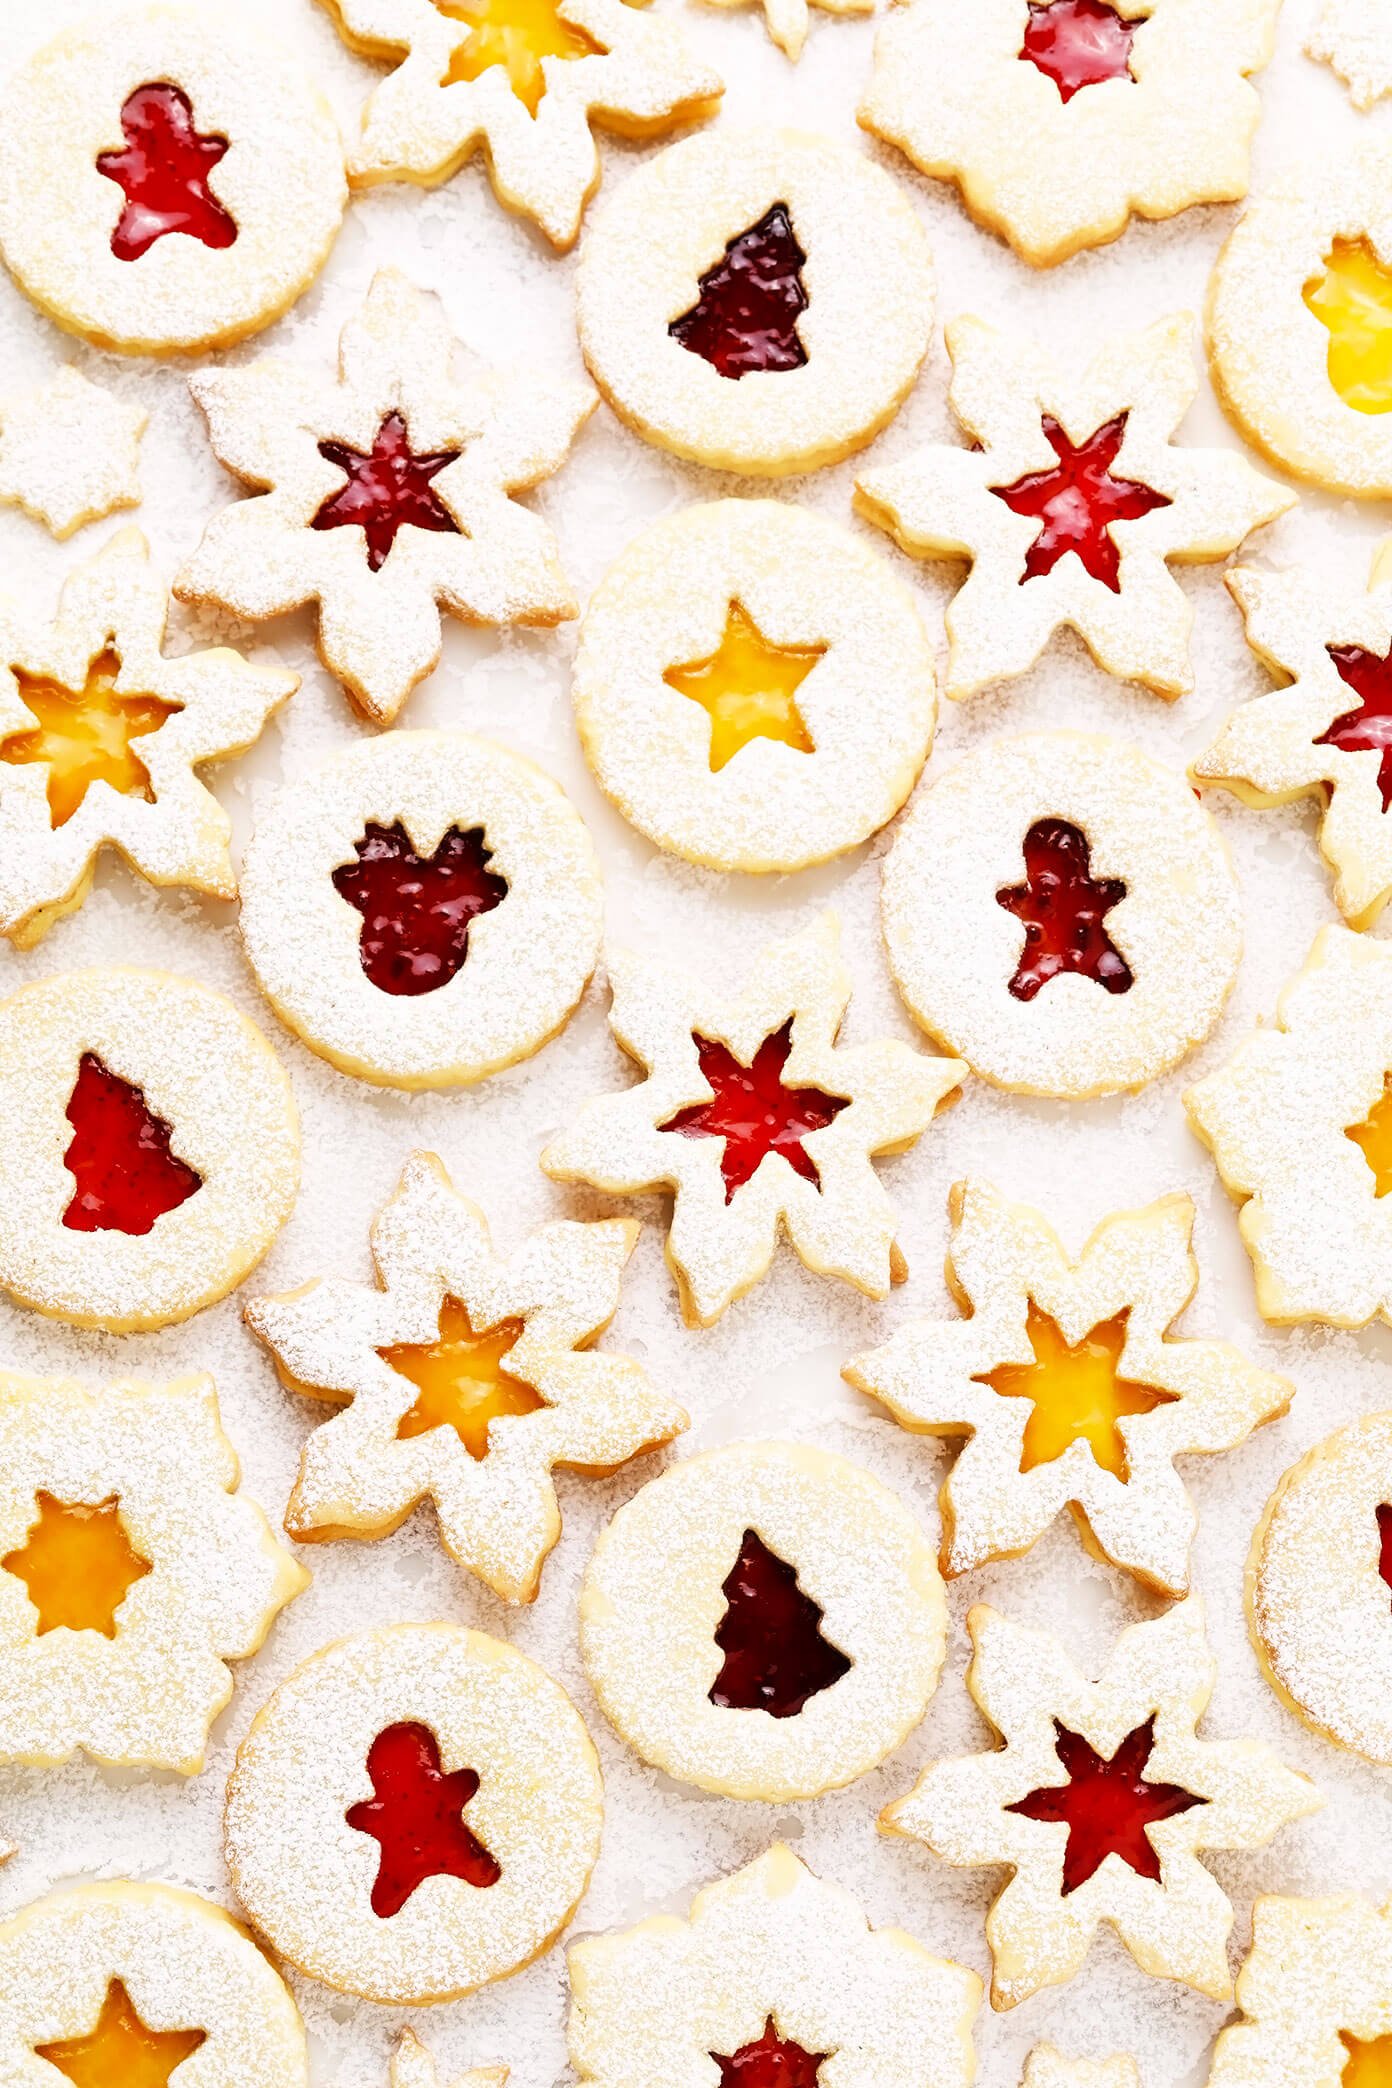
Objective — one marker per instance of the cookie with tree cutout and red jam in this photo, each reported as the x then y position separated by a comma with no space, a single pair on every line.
153,1147
415,1811
754,688
383,494
1060,119
423,910
1060,910
765,1621
1063,1378
1355,37
1070,505
164,185
70,452
756,300
524,82
772,1975
1316,1997
756,1121
1098,1799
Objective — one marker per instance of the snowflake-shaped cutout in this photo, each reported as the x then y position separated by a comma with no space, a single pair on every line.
1046,2067
386,493
1061,1376
464,82
1355,37
131,1571
799,1161
70,452
1043,441
1314,1990
1107,1741
465,1379
412,2066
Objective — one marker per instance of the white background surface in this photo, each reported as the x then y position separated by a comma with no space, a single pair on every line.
771,1367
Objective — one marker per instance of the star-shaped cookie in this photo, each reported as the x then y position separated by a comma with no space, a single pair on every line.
101,736
524,86
1355,37
756,1121
412,2066
1070,504
385,493
1061,1377
465,1379
1098,1800
70,452
1315,1995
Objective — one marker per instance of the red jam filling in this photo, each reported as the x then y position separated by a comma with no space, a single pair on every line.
746,315
770,2062
1368,726
417,910
1077,500
1064,907
771,1635
388,489
1107,1806
1384,1523
1078,43
753,1112
415,1817
163,171
119,1157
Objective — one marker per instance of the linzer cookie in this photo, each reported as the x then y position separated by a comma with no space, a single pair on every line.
70,452
1315,1995
1355,37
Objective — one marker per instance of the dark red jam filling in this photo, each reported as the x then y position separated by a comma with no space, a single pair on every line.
417,910
770,2062
1078,43
746,315
1076,502
753,1112
163,171
771,1635
388,489
1384,1523
119,1157
1368,726
1106,1805
1063,908
415,1818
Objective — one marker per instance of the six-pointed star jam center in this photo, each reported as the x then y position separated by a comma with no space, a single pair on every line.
770,2061
748,688
1076,1393
163,173
516,34
1373,1137
753,1112
387,489
1078,43
121,2051
85,736
77,1563
461,1380
1064,910
120,1156
1077,500
415,1817
1107,1804
745,315
1367,728
776,1655
417,910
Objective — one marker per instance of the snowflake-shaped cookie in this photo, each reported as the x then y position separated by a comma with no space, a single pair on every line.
412,2066
1355,37
385,493
1315,1993
466,1379
756,1121
1046,443
773,1971
131,1571
787,20
1046,2067
525,86
1062,1378
100,738
70,452
1056,155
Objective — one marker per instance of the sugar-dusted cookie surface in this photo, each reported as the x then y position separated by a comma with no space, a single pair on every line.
70,451
1315,1995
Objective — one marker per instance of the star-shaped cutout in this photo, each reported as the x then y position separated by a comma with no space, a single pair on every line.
461,1380
77,1564
388,489
1078,43
753,1112
770,2061
517,35
1077,500
748,688
1372,1134
70,452
163,171
415,1815
85,735
1107,1803
121,2047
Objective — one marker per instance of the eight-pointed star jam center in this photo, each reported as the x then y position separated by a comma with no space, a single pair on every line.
1077,500
387,489
119,1156
121,2051
163,173
1076,1392
77,1564
1367,728
516,34
776,1655
770,2061
753,1112
1064,910
745,315
415,1817
417,910
85,736
1078,43
1107,1804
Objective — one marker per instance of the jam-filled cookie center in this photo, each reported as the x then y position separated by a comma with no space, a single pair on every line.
1369,2062
1076,501
771,2061
753,1112
415,1815
386,489
1353,299
1076,1392
78,1564
121,2051
746,313
1373,1137
120,1159
748,688
1108,1804
162,171
417,910
461,1380
516,34
1078,43
776,1654
1064,910
85,736
1367,728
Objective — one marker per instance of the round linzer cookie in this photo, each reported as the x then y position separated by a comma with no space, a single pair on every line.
1040,906
152,1147
123,1983
758,300
423,910
754,688
165,186
414,1812
765,1621
1315,1995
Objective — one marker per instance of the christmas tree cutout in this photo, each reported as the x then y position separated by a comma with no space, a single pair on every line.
776,1657
1064,909
415,1817
163,172
120,1156
745,317
417,910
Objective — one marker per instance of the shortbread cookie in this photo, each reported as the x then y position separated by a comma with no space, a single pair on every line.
772,1973
122,1983
412,2066
101,737
754,687
756,299
467,1378
1355,37
414,1812
1070,504
165,185
70,452
1300,322
1098,1800
385,494
1299,1122
1046,2067
131,1571
1060,121
1316,1997
525,84
755,1120
1060,910
151,1143
423,910
787,20
1062,1377
765,1621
